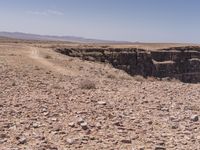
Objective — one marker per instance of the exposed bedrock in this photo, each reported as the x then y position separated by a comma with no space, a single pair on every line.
182,63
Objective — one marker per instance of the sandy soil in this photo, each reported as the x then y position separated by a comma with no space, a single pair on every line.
49,101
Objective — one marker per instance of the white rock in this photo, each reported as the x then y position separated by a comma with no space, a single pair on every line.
80,120
101,103
71,124
35,125
84,125
70,141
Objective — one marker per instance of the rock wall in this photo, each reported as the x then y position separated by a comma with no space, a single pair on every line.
182,63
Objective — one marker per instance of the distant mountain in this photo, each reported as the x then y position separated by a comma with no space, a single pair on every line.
26,36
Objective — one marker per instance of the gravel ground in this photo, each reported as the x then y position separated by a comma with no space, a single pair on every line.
53,102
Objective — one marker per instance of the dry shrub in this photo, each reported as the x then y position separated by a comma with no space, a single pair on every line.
119,74
87,84
111,76
47,57
126,77
139,78
104,46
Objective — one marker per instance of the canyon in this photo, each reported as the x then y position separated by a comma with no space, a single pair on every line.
182,63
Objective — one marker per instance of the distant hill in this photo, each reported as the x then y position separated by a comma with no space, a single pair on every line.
26,36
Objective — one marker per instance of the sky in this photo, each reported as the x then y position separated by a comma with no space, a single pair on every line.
123,20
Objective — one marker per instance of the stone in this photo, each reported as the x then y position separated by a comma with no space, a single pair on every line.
44,110
101,103
21,139
198,138
35,125
84,125
3,141
46,113
150,122
141,148
134,136
117,123
194,118
160,148
174,126
126,141
98,125
164,109
70,141
80,120
71,124
54,119
14,84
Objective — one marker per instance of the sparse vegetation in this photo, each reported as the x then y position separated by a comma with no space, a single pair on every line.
87,84
139,78
111,76
48,56
105,46
152,79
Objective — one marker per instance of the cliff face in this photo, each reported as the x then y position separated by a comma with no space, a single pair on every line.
182,63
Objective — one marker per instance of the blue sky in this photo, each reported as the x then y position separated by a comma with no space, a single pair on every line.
130,20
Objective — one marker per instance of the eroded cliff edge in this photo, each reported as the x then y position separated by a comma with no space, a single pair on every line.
182,63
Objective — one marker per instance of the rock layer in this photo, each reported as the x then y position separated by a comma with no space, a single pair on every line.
182,63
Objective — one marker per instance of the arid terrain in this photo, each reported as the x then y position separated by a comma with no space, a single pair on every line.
50,101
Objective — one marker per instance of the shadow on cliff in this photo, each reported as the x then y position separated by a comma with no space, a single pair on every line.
182,63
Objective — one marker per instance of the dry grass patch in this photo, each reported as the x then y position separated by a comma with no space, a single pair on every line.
87,84
139,78
111,76
48,56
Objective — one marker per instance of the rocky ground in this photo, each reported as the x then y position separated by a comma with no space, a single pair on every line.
49,101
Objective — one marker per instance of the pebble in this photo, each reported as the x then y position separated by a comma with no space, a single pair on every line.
35,125
46,113
195,118
71,124
160,148
141,148
80,120
165,109
54,119
22,140
98,125
198,138
44,110
84,125
70,141
127,141
3,141
101,103
174,126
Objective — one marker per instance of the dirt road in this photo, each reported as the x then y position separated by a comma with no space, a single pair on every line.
35,54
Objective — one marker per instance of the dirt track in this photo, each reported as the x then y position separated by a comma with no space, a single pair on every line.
35,54
43,105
